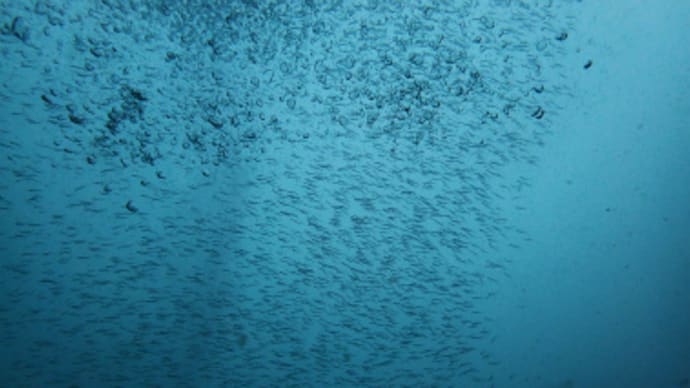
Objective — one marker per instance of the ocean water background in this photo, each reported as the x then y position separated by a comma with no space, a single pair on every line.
345,193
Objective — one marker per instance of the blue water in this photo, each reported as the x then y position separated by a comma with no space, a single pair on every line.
344,193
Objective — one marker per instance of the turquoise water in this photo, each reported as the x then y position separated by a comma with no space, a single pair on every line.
344,194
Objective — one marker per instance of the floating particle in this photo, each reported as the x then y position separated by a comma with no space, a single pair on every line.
129,206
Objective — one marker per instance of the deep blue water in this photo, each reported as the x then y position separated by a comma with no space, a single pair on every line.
344,193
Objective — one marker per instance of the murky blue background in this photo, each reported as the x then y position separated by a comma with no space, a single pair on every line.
344,193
